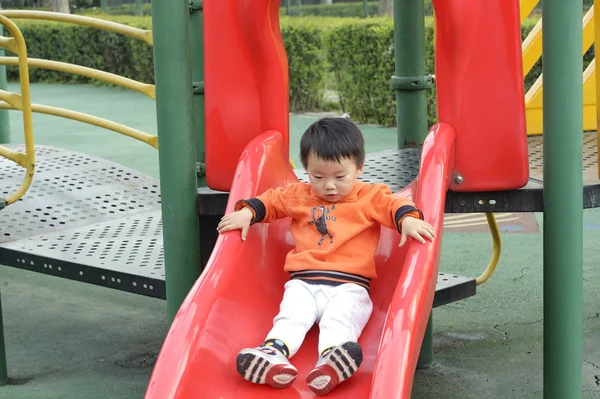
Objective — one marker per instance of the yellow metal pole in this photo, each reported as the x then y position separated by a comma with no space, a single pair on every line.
144,88
142,34
496,250
90,119
4,117
24,101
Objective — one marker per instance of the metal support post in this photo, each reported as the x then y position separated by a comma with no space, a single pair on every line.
288,7
4,116
3,363
563,198
366,7
426,354
409,80
197,54
177,141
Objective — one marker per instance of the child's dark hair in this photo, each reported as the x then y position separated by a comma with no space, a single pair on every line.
333,139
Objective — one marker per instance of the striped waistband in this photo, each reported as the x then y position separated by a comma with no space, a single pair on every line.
330,278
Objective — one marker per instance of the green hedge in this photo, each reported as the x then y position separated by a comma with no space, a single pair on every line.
88,47
362,58
353,55
303,39
334,10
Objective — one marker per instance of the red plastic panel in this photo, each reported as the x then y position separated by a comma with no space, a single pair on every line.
479,78
246,81
411,302
233,303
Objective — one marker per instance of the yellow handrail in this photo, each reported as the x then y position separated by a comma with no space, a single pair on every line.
23,100
144,88
496,250
142,34
17,157
9,43
90,119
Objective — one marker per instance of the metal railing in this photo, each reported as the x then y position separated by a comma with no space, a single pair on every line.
22,102
16,44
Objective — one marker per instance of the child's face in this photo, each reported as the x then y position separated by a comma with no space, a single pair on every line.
332,181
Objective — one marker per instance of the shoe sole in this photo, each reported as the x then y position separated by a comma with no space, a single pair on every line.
258,369
341,365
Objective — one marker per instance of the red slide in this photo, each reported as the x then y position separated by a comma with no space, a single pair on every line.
233,303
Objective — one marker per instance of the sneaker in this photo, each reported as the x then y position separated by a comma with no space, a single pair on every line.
335,366
266,365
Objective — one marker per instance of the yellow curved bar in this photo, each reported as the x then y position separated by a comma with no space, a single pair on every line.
92,120
143,88
24,100
17,157
13,99
527,7
496,250
142,34
9,43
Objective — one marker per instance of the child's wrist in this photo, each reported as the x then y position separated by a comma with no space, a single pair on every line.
247,212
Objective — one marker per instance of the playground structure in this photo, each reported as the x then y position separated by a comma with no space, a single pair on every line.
256,127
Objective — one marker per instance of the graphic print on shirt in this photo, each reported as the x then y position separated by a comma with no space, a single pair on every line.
320,218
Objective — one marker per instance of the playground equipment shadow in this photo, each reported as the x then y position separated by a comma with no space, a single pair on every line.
71,340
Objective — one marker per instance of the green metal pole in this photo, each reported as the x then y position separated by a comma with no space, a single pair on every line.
104,6
288,7
409,81
197,55
366,8
4,117
3,362
426,354
563,198
177,141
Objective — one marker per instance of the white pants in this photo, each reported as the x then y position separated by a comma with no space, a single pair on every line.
342,313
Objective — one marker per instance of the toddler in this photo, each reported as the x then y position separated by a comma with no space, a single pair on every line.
336,227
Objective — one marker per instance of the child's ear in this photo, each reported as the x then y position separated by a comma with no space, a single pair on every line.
359,170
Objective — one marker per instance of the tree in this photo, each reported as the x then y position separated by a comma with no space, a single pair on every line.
327,2
61,6
386,7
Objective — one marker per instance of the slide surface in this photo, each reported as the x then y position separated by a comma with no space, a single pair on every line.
233,303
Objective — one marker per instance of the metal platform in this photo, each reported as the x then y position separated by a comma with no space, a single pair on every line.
531,197
86,219
91,220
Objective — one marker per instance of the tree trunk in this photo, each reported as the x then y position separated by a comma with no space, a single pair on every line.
386,7
326,1
61,6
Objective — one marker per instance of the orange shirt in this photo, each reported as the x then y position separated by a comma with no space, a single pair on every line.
340,236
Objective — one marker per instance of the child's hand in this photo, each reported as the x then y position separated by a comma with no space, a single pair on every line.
236,220
416,228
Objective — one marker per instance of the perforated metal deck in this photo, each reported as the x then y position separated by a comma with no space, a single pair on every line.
88,219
